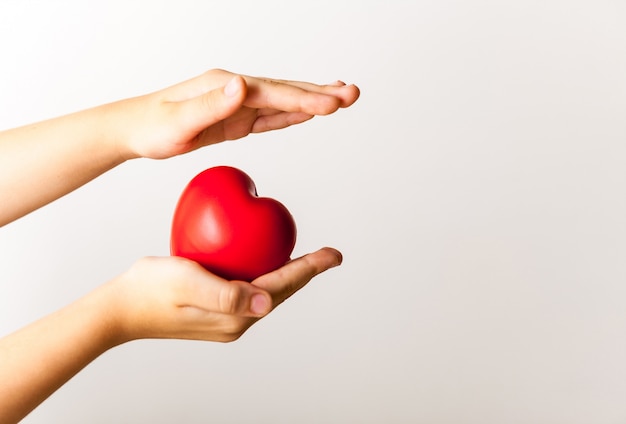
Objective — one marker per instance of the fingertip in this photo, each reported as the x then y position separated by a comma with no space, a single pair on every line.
352,95
355,90
260,304
335,256
345,95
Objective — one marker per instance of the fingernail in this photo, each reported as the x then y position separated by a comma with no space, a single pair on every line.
232,88
338,257
260,304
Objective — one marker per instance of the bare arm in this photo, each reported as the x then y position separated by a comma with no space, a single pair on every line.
44,161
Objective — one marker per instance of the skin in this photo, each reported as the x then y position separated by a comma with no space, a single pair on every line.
158,297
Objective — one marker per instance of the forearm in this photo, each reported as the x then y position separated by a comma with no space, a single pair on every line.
44,161
38,359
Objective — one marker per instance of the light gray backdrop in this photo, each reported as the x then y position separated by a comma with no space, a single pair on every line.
477,191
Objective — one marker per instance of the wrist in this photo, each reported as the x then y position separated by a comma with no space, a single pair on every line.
122,310
103,312
114,119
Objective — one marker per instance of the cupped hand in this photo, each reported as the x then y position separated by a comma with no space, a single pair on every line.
217,106
172,297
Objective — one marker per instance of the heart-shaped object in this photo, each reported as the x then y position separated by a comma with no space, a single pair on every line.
221,223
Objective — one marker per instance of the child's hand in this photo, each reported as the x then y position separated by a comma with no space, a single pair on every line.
217,106
166,297
170,297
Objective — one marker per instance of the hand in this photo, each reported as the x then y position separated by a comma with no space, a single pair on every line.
218,106
171,297
166,297
71,150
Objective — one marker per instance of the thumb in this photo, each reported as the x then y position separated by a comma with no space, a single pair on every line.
213,106
214,294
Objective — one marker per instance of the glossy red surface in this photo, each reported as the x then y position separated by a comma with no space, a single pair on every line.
221,223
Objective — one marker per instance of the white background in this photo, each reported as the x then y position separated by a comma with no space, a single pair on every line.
477,190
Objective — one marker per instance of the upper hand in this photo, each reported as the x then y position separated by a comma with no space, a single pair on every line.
171,297
217,106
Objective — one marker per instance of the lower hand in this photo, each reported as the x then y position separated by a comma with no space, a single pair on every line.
171,297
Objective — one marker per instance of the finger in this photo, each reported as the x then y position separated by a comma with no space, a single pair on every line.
204,290
337,83
287,280
263,93
215,78
347,94
308,86
205,110
278,121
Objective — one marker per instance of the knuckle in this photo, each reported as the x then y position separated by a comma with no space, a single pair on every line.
230,298
309,268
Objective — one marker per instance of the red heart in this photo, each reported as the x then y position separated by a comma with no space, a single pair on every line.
221,223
